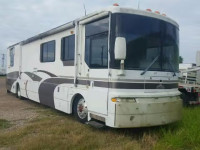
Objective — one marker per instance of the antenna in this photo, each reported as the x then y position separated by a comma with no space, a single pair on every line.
84,8
138,4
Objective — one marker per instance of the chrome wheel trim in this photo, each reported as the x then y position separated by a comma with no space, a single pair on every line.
82,109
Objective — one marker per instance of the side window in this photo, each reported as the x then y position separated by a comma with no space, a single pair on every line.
68,48
97,51
96,44
11,57
47,53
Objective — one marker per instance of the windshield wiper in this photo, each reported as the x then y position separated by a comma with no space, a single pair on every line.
155,59
172,67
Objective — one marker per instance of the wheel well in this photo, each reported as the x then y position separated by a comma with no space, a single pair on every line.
75,97
183,91
17,86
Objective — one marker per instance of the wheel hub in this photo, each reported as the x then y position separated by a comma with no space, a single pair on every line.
82,109
18,92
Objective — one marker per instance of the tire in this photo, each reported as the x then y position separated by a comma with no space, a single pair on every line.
7,91
185,99
80,110
18,93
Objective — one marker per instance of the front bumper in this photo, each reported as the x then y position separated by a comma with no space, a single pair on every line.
147,112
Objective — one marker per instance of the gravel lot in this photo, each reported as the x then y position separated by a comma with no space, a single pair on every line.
17,111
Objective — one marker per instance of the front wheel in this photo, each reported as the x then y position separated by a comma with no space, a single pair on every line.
80,110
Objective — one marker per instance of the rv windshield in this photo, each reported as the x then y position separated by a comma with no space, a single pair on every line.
146,39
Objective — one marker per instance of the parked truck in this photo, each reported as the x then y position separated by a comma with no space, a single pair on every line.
189,82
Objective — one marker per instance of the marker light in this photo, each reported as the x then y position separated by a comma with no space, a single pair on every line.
157,12
72,32
114,100
164,15
149,10
115,4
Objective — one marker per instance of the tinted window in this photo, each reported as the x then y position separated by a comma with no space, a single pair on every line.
97,51
48,52
68,48
87,51
96,44
148,39
97,27
12,57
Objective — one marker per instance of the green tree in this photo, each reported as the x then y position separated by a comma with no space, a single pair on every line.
180,59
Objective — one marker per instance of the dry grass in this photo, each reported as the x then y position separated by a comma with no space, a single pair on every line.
55,130
45,129
4,124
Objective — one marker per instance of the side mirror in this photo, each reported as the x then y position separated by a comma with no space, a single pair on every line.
120,48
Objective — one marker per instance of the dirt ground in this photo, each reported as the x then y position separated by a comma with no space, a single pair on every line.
17,111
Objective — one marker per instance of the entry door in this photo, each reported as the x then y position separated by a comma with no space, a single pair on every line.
96,59
98,72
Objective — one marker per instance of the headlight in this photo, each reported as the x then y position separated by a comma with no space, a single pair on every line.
124,100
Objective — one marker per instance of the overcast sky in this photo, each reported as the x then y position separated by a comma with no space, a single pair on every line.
21,19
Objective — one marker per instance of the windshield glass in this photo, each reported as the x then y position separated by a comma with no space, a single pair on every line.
147,38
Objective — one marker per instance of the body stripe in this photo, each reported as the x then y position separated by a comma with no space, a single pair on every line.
49,73
11,78
34,77
46,90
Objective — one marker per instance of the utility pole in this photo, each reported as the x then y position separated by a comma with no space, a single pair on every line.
3,60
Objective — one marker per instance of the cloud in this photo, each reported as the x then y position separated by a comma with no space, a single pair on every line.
21,19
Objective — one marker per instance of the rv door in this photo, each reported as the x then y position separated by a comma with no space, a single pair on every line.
96,63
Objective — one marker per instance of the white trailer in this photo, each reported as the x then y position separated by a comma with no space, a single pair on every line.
117,66
189,84
198,58
2,65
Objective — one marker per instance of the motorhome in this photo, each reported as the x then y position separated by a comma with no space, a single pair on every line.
117,67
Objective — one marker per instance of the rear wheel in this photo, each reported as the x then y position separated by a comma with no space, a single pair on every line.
185,98
80,110
19,92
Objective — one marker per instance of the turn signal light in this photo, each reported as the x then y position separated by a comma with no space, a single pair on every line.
164,15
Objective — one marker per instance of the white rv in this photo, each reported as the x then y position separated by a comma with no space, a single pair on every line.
117,66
